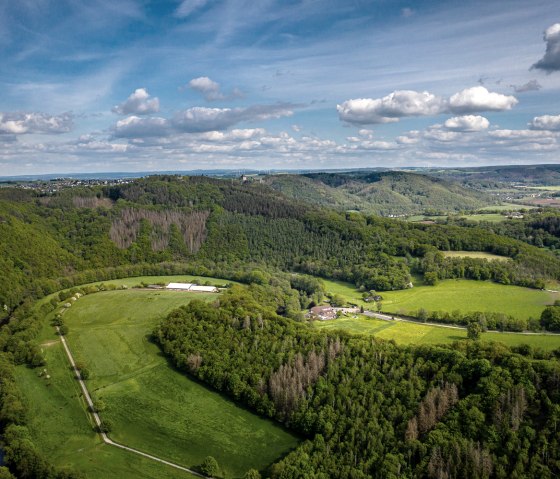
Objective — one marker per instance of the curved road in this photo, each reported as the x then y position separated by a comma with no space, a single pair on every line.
97,419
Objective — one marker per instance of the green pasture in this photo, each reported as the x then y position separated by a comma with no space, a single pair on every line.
474,254
506,207
461,295
490,217
545,188
62,428
405,333
152,407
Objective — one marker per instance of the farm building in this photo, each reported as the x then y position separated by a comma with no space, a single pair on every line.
180,286
192,288
204,289
323,312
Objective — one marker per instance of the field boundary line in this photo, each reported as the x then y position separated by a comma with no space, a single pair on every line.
394,318
97,419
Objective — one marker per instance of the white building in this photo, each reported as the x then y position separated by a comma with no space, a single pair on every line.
192,287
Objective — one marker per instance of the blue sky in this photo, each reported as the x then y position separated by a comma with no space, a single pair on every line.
139,85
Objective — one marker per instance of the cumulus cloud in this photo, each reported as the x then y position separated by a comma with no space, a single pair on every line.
531,85
550,62
189,6
19,123
211,90
138,103
200,119
406,103
546,122
136,127
478,98
467,123
401,103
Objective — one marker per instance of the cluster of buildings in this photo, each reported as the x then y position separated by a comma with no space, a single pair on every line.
324,313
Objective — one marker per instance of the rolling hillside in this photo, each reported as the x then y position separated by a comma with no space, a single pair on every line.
384,193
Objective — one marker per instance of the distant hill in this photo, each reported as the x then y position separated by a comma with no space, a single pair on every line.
483,175
385,193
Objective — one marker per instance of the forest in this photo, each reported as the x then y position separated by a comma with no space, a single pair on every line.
369,408
366,407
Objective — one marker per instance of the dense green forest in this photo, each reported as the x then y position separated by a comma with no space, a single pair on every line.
539,228
385,193
370,408
355,399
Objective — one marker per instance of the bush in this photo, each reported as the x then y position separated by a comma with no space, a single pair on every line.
210,466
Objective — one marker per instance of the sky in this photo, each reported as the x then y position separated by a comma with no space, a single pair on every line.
142,85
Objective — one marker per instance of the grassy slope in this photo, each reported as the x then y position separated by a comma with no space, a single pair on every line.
62,428
466,295
411,333
153,407
461,295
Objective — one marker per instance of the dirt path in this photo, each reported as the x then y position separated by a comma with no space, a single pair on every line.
97,419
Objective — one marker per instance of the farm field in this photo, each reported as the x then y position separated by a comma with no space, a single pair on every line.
474,254
461,295
62,428
491,217
405,333
151,406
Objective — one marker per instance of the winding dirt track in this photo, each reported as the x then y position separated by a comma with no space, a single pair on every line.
97,419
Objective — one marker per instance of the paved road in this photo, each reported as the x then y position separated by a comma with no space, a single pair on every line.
97,419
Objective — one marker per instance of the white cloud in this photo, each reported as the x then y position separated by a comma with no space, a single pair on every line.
138,103
546,122
211,90
19,123
520,134
200,119
189,6
467,123
550,62
135,127
400,103
478,98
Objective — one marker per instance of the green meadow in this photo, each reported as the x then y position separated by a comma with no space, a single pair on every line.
461,295
151,406
405,333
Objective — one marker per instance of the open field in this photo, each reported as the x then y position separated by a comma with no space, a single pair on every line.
62,428
491,217
185,278
507,207
412,333
460,295
152,407
545,188
474,254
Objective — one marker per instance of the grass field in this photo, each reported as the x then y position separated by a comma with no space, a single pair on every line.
62,428
411,333
461,295
152,407
545,188
491,217
474,254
